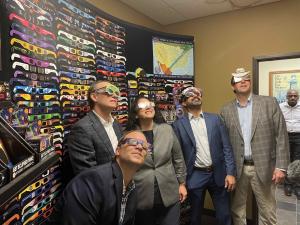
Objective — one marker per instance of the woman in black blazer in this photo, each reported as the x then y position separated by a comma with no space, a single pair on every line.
160,182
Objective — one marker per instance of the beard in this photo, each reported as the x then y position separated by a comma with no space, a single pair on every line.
195,103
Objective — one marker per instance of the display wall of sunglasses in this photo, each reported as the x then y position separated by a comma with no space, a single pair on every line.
34,69
35,77
74,51
31,40
25,30
77,75
67,62
41,212
69,97
32,61
77,70
75,81
106,22
32,48
75,38
50,187
29,97
19,82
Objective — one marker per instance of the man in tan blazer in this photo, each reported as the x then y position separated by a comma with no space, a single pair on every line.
258,135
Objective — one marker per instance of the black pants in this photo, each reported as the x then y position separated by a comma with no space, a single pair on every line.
294,140
159,215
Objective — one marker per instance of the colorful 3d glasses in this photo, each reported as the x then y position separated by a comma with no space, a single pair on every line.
109,89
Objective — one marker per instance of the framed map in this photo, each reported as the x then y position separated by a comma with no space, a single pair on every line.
173,58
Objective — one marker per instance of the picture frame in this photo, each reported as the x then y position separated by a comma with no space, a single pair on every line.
274,75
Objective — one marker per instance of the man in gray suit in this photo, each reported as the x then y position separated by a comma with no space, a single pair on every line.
259,139
94,139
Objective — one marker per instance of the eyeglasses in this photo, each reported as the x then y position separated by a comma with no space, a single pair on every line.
76,10
110,55
135,142
75,38
32,61
34,83
111,68
34,76
50,116
109,90
108,73
192,92
73,92
32,48
34,68
77,75
145,105
76,81
65,61
34,90
11,219
109,23
74,103
67,41
75,51
31,40
110,37
73,86
28,97
31,26
72,97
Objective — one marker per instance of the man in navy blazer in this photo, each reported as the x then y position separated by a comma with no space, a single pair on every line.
208,156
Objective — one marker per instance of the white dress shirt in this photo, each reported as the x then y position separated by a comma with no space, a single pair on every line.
108,126
291,116
203,157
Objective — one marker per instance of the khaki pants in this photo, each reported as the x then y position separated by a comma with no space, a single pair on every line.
265,197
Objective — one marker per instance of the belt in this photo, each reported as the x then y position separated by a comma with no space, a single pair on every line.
205,169
248,162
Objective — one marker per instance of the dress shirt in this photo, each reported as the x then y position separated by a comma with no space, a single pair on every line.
245,118
125,194
203,157
108,126
291,116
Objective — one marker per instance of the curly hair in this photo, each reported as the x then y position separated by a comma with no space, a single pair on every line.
133,121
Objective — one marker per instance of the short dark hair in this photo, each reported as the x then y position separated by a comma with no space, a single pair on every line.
133,121
92,90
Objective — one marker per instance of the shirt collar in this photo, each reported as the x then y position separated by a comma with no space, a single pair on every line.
103,121
248,101
288,106
191,116
130,187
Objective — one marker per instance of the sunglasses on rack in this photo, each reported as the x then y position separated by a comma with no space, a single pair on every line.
73,92
75,38
110,55
28,97
34,76
33,83
50,116
110,90
75,81
68,62
35,90
75,51
75,44
110,37
77,25
32,61
108,73
32,48
104,22
77,69
76,10
68,97
50,187
43,110
34,69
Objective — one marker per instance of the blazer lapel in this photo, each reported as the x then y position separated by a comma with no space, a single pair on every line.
187,126
235,116
100,131
118,183
255,113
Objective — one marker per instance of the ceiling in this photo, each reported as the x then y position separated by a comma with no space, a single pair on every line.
168,12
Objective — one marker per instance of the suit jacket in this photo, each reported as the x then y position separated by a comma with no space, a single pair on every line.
94,197
269,139
219,145
168,168
89,144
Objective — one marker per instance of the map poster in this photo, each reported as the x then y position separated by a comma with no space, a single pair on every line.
282,81
173,58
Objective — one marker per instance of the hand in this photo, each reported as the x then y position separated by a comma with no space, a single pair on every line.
229,182
182,192
278,176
